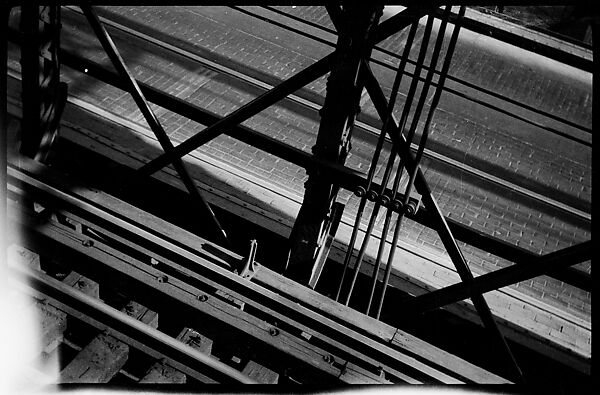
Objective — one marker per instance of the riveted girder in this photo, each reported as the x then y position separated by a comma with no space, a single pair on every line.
333,140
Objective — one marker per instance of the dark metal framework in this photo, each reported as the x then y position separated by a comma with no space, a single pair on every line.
333,142
127,240
331,168
43,95
133,88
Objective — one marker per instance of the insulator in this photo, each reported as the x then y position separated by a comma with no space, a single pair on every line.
396,205
411,207
384,200
360,191
372,195
413,203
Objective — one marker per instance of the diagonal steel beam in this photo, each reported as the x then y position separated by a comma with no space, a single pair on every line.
521,41
394,24
500,278
335,13
346,177
139,98
272,96
437,217
338,116
248,110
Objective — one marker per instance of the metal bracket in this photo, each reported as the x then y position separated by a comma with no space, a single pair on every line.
326,243
248,270
414,201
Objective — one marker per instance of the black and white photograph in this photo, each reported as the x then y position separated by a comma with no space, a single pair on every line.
365,196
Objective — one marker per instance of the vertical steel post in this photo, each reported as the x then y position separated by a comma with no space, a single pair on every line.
43,95
333,140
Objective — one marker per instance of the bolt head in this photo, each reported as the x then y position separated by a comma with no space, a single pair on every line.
328,358
202,298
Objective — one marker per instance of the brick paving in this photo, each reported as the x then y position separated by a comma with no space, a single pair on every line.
462,130
569,98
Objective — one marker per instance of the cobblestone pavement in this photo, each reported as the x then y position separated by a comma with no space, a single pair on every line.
467,132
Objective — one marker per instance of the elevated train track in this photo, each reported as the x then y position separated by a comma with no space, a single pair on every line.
172,270
363,131
242,321
82,140
310,101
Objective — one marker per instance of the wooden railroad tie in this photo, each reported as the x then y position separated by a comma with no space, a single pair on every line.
163,373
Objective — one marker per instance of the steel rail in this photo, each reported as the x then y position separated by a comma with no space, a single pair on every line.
295,294
139,98
237,287
525,43
351,178
301,20
395,148
451,90
469,235
286,27
128,329
184,288
367,128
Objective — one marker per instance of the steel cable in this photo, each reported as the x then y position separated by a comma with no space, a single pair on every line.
414,124
393,153
421,148
380,141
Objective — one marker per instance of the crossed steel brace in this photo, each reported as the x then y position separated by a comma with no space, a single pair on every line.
470,287
348,178
134,89
401,148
